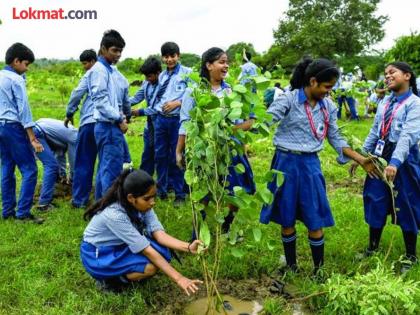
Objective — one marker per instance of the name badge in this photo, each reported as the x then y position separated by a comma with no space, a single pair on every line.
379,147
320,129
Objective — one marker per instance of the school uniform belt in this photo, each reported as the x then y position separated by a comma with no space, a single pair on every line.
168,115
295,152
7,121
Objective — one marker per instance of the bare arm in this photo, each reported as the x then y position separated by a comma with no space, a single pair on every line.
246,125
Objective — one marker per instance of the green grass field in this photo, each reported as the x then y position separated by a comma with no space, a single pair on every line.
41,273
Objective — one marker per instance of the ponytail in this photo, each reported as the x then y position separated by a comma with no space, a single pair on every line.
135,182
405,67
323,70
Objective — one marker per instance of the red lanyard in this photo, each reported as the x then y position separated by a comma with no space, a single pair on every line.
385,128
312,124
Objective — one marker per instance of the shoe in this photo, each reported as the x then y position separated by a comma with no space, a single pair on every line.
113,285
178,202
366,254
31,218
408,263
44,208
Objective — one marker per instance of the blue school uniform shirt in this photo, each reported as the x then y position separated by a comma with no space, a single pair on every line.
57,134
14,104
122,94
405,127
146,92
103,89
86,112
175,89
294,132
188,103
112,227
249,69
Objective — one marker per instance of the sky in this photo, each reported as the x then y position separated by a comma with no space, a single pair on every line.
195,25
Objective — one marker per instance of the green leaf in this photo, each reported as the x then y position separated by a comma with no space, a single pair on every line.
262,82
240,169
266,195
271,244
189,177
205,234
235,113
257,234
236,104
237,252
239,88
199,194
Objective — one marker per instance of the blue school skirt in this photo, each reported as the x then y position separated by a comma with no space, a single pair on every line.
245,180
105,262
377,197
302,196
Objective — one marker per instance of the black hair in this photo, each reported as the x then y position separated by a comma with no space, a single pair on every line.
151,66
169,48
135,182
210,55
112,38
323,70
88,55
19,51
277,84
248,56
405,67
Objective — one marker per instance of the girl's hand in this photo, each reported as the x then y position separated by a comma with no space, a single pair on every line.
189,286
193,247
390,172
180,161
352,169
370,168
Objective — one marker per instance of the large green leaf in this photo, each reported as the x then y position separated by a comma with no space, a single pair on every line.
205,234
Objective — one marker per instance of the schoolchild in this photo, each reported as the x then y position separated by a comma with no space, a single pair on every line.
307,117
125,242
86,150
17,139
394,136
214,68
172,85
151,69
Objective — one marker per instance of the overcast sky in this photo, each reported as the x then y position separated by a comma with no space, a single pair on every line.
145,24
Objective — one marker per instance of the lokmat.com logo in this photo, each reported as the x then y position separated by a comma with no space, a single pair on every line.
58,14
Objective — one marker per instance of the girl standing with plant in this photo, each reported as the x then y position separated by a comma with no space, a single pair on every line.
306,119
394,136
214,68
125,241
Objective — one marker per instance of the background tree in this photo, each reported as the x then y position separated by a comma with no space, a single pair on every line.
406,48
190,60
323,28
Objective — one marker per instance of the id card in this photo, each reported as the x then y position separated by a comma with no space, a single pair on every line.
379,147
320,129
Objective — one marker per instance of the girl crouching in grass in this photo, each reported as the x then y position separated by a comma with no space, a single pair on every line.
125,242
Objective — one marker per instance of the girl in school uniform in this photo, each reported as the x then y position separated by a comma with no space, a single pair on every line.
214,68
306,119
124,240
394,136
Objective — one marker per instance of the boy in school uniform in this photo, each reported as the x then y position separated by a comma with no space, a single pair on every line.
17,139
123,104
57,140
172,85
151,69
110,124
249,69
86,151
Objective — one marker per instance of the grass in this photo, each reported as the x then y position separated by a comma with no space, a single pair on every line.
41,273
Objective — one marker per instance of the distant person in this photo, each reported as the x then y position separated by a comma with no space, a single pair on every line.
86,150
151,69
57,141
394,137
346,98
249,69
277,90
125,242
17,139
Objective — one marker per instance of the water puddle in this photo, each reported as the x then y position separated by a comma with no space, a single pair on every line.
232,306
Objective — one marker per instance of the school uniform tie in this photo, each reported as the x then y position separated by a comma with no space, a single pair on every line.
163,87
389,146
